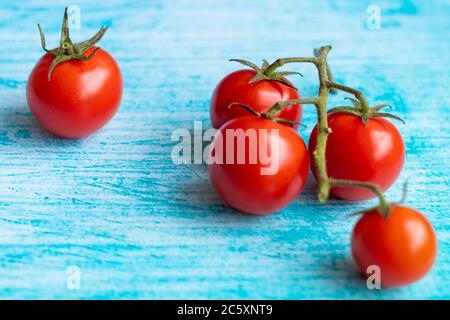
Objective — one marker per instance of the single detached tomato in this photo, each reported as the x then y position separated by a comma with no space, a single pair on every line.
76,89
372,152
260,95
403,245
258,166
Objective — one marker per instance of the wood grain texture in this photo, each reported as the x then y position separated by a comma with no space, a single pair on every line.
139,226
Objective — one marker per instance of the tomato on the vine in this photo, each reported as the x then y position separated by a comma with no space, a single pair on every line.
403,245
372,152
243,86
76,89
259,186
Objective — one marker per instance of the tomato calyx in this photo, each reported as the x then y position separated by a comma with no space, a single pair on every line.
382,211
67,49
270,114
268,72
384,208
363,111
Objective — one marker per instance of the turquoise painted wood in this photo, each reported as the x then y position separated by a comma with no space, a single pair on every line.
138,226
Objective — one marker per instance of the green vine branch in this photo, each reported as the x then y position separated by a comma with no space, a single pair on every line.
327,85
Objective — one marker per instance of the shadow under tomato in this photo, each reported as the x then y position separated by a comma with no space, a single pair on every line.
18,126
339,269
199,193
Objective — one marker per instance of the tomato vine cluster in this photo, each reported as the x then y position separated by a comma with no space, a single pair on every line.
354,152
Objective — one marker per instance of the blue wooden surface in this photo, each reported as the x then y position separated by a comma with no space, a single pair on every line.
139,226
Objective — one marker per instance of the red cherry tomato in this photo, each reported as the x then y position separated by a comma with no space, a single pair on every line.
80,97
372,152
403,245
260,95
245,186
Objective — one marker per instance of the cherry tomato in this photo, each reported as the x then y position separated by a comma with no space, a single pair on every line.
260,95
372,152
259,186
403,245
80,97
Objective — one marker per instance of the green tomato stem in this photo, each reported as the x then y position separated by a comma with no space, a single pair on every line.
282,104
384,206
67,49
358,94
326,85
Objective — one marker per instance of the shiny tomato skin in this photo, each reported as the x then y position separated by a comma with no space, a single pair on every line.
243,187
81,96
372,152
403,246
260,96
